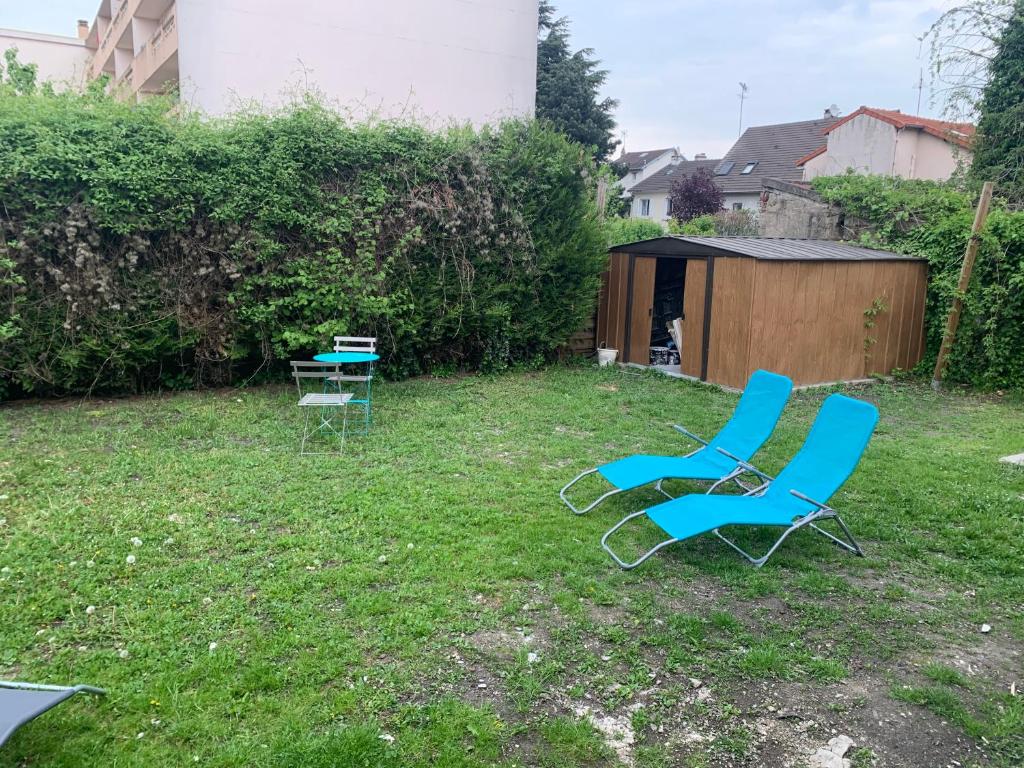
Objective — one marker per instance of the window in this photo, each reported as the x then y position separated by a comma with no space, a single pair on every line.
668,206
737,206
748,168
645,207
724,167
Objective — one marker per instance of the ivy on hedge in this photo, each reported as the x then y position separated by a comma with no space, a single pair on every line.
933,220
141,249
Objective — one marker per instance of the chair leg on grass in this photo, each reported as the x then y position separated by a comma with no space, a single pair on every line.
622,563
850,546
571,483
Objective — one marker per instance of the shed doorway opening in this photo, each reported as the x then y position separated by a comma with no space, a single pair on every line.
669,282
657,298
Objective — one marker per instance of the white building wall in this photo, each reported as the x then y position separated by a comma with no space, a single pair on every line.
920,155
433,61
658,206
865,144
63,61
633,178
748,201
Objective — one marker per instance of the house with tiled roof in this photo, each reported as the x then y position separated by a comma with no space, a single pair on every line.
890,143
651,196
766,151
642,165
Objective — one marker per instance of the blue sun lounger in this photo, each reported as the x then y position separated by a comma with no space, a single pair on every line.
22,702
751,424
828,457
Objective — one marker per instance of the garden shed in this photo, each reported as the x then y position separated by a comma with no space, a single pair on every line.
818,311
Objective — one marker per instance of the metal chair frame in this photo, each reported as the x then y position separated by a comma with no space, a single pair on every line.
823,512
28,715
357,344
732,476
326,402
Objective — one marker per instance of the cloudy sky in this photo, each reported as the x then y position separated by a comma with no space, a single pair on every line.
675,65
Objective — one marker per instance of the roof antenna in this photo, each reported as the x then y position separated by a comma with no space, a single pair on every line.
743,97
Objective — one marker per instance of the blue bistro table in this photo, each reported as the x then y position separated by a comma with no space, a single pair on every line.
354,358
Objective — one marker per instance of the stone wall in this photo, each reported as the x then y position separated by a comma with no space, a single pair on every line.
795,210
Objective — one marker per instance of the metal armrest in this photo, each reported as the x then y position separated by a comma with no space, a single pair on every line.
746,465
689,434
809,500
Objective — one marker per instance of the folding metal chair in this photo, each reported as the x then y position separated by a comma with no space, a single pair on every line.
829,455
364,399
23,702
327,405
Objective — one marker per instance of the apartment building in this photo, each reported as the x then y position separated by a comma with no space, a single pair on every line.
437,61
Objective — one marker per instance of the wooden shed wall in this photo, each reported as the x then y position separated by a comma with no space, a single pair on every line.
807,319
690,357
611,308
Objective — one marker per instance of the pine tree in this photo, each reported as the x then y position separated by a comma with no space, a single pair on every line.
568,86
999,148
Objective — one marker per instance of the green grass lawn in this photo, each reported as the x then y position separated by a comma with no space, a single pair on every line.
425,599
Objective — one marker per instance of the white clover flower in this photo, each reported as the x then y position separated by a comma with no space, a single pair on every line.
409,545
213,647
387,737
123,653
90,563
130,559
382,559
90,610
136,541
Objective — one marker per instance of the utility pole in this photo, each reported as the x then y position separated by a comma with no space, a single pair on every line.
743,97
949,337
920,90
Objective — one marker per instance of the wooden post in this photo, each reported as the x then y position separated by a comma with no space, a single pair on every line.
602,197
949,337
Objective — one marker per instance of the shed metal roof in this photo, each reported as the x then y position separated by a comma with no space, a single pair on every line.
766,248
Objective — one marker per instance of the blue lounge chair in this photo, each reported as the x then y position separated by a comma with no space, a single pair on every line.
828,457
751,424
22,702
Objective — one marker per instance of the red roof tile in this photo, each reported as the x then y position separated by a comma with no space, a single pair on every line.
955,133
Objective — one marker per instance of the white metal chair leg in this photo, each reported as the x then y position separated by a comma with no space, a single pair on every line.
622,563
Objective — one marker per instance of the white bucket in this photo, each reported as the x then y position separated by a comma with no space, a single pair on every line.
606,356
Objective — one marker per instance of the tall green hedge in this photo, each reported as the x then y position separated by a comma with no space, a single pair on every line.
141,249
933,220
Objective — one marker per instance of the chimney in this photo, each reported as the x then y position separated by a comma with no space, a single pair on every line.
83,29
700,156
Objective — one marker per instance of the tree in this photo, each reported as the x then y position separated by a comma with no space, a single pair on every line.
963,42
568,87
695,195
21,78
999,148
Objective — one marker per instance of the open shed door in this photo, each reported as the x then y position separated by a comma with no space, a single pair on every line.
641,308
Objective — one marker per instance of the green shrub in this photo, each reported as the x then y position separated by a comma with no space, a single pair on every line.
140,249
619,231
933,220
